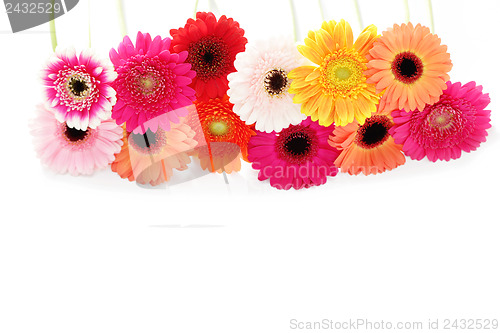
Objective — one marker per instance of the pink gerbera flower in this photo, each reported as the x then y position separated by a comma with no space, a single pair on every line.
456,123
66,149
78,87
299,156
151,82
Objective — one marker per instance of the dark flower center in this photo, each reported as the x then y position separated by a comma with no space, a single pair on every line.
145,140
297,144
77,86
407,67
75,135
149,142
275,82
209,57
373,132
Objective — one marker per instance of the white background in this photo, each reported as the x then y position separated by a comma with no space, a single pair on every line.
100,254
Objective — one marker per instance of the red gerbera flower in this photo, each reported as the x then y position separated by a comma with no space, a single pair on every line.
212,46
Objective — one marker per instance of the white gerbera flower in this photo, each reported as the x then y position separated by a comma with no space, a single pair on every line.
259,87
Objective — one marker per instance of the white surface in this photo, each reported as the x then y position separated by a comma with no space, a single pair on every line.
100,254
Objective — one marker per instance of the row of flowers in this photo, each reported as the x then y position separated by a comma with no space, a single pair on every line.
297,113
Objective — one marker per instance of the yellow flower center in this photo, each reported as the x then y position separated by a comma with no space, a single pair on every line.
146,84
342,73
218,128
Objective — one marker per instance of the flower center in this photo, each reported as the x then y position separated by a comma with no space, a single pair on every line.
209,57
276,82
74,135
443,123
297,144
77,86
218,128
149,142
342,73
374,132
146,84
441,117
407,67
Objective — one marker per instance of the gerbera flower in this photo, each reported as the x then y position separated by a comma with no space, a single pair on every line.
151,82
367,148
259,87
456,123
150,158
78,87
336,90
299,156
225,134
212,46
411,65
67,149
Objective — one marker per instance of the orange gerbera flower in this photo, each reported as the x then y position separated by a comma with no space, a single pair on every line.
367,148
411,65
151,157
337,90
224,132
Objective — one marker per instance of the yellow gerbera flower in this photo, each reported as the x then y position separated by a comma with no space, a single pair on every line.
336,91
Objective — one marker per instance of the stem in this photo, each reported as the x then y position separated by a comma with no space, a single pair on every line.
358,12
294,20
212,6
90,32
431,14
52,25
195,8
121,17
407,11
320,4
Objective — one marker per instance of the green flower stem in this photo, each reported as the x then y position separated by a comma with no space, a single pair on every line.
52,25
195,8
407,11
90,32
322,13
121,18
294,20
431,15
358,12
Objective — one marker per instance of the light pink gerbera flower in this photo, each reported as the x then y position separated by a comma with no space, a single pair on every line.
78,87
66,149
151,82
456,123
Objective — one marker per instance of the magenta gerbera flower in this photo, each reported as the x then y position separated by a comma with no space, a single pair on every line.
299,156
456,123
151,82
78,88
67,149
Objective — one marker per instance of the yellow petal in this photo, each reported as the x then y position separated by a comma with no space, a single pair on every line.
304,94
325,41
310,54
300,72
325,111
366,39
314,75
